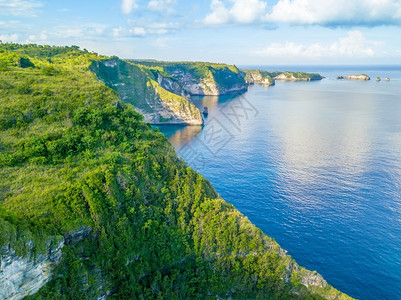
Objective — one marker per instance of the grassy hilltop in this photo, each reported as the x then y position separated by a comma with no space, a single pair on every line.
74,158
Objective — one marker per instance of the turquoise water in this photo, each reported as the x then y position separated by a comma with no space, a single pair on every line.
317,166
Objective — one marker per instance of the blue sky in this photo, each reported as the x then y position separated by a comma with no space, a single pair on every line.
243,32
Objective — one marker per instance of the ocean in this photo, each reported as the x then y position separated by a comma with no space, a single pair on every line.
317,166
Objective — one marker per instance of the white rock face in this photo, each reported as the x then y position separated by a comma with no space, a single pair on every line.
206,86
172,86
22,276
313,279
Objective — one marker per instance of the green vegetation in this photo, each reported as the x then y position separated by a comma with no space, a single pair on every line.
73,155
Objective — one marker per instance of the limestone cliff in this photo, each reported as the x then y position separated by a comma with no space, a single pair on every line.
198,78
258,76
159,98
25,265
24,275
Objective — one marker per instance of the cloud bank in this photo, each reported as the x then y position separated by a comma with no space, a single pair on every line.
127,6
354,44
330,13
19,7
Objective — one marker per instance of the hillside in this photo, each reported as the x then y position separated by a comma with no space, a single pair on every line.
95,204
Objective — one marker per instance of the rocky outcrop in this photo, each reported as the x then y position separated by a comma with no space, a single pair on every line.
171,85
77,235
21,276
160,98
357,77
169,108
260,77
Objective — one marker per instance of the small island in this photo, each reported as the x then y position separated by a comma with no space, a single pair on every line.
355,77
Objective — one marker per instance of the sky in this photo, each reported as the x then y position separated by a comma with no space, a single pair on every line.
242,32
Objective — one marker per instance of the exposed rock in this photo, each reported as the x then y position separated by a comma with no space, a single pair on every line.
205,85
378,79
387,79
171,85
22,276
357,77
310,278
198,78
77,235
256,76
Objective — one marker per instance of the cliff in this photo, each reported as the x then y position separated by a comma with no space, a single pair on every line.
258,76
198,78
161,100
81,174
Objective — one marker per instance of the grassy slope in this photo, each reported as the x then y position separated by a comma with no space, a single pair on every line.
71,157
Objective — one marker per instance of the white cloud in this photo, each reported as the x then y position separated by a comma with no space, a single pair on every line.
40,38
241,11
163,42
9,24
9,37
138,29
306,12
83,30
336,12
353,45
162,5
127,6
19,7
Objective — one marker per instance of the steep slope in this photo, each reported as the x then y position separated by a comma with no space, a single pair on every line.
199,78
140,86
100,204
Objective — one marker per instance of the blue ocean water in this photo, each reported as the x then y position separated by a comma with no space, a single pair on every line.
315,165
